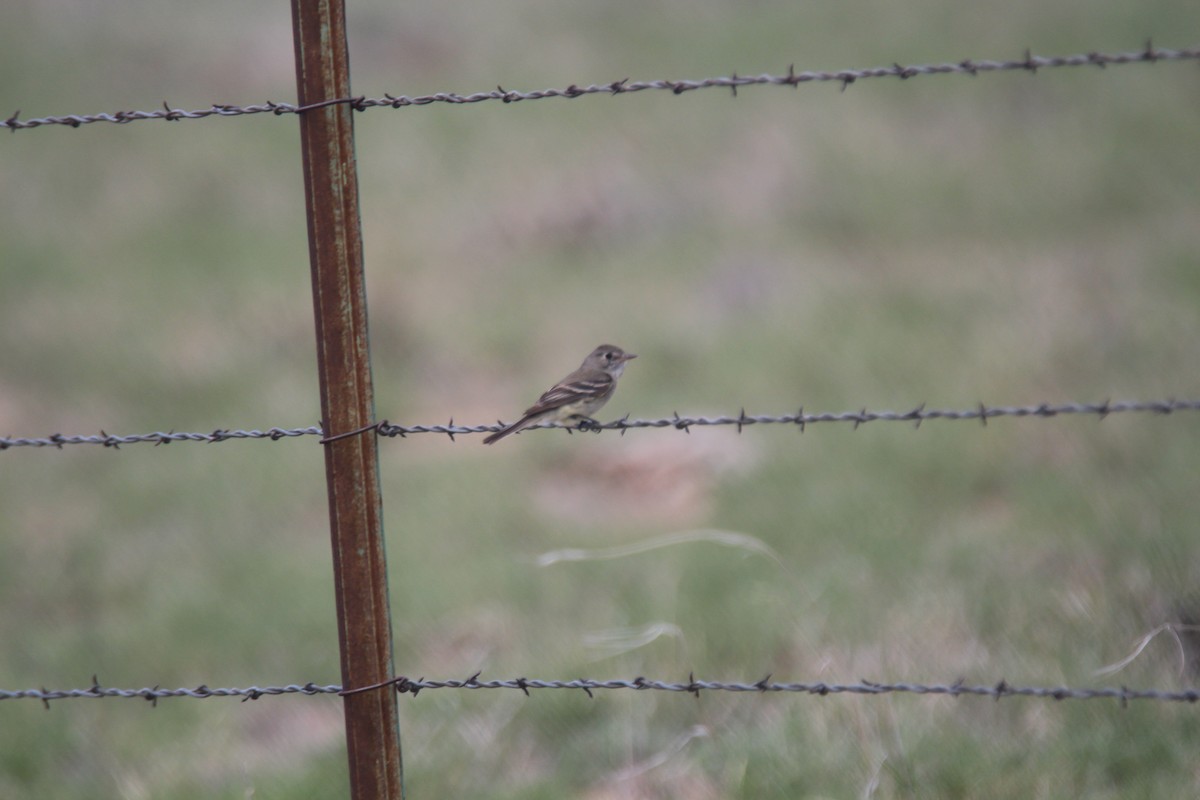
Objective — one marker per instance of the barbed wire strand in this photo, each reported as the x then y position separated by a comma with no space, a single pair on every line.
800,419
403,685
1029,63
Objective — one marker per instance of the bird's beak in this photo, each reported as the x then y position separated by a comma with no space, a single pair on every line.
628,356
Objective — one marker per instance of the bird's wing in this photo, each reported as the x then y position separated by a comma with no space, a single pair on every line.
574,389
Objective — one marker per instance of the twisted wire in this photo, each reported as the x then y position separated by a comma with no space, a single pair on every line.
800,419
404,685
846,77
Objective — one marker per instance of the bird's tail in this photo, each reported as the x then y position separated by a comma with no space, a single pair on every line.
519,425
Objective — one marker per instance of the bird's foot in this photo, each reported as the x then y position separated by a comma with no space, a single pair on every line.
589,424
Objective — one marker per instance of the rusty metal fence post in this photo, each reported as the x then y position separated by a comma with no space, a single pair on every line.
347,398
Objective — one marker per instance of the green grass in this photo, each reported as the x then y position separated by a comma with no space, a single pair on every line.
1008,238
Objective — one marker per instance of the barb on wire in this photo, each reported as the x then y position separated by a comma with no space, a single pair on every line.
404,685
1028,62
800,419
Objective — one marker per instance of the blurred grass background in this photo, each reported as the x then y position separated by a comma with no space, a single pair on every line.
1010,238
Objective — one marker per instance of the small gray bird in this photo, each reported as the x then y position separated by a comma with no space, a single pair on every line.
577,396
